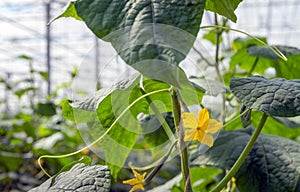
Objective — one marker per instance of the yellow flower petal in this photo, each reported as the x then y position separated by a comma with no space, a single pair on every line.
202,129
199,135
131,181
138,176
204,125
208,140
140,186
203,115
213,126
189,120
189,134
137,182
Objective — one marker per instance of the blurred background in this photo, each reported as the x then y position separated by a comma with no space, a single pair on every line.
38,64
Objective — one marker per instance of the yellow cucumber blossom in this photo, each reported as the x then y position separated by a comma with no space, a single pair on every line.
201,129
137,182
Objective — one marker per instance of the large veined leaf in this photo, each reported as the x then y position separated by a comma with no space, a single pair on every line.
288,69
151,36
276,97
288,122
272,165
223,7
266,52
80,177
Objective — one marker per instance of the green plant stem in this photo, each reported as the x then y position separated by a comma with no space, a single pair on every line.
218,36
160,118
181,144
217,65
243,156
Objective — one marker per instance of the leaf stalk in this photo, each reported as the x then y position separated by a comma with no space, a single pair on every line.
242,157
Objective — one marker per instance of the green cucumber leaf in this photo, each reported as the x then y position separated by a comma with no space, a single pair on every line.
151,36
276,97
266,52
288,122
85,160
288,69
243,60
68,11
273,165
223,7
80,177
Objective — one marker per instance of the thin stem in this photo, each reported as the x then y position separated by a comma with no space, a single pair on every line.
181,144
203,57
218,36
243,155
217,64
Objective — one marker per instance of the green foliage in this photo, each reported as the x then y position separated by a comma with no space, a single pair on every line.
34,130
46,109
145,38
85,160
272,165
223,7
110,103
154,134
276,97
286,69
21,92
249,63
69,11
139,113
211,36
79,177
